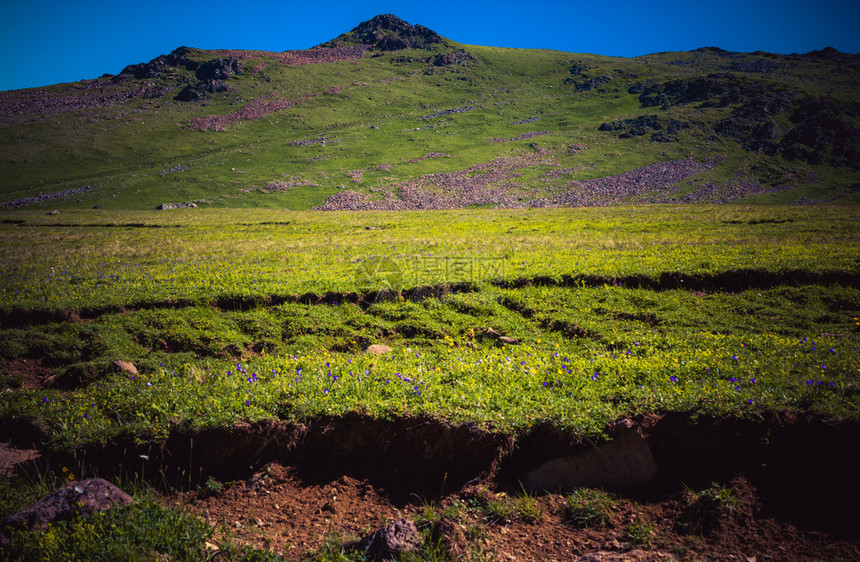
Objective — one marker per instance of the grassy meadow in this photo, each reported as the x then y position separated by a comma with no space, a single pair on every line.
248,315
253,308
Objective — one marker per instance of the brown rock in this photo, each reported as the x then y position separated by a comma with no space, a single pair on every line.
377,349
80,498
119,366
491,333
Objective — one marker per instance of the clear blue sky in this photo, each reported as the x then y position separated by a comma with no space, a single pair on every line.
52,41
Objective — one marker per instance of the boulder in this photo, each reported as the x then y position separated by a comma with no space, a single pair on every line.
119,366
397,538
80,498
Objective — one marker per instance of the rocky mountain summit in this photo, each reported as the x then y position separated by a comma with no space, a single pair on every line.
387,32
385,95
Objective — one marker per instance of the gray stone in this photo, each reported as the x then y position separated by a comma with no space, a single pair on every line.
167,206
397,538
80,498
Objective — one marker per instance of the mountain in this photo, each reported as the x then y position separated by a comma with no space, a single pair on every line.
393,116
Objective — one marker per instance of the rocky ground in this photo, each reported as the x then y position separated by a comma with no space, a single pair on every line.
280,510
498,184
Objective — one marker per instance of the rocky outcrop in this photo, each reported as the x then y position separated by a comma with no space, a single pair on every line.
387,32
633,127
590,84
822,134
644,124
822,131
723,87
458,57
158,67
210,74
219,69
168,206
200,90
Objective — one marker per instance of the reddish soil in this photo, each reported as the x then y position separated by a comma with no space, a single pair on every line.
289,486
34,374
276,509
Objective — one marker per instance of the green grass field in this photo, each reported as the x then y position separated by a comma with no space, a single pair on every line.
246,315
236,316
253,311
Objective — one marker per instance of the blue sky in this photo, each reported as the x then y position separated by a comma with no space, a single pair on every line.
48,42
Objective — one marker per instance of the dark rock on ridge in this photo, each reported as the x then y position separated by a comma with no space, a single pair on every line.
200,90
387,32
219,69
821,134
157,67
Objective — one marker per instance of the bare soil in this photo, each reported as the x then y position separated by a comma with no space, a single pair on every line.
277,509
292,487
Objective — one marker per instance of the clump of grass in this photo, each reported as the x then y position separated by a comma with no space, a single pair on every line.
587,507
706,508
500,510
335,548
528,508
640,531
13,380
213,485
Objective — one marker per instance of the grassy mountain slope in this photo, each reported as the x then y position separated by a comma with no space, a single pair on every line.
369,116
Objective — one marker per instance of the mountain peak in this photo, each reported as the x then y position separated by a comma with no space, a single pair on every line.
387,32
